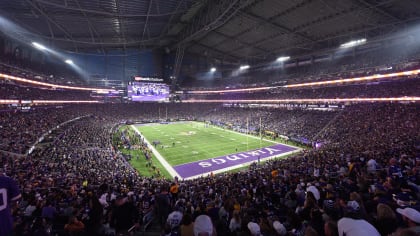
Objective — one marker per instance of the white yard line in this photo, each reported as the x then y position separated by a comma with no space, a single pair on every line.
298,149
162,160
249,135
173,173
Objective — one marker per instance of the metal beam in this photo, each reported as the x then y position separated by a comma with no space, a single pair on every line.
215,14
297,29
282,30
334,16
92,30
330,50
328,17
166,28
50,29
366,29
104,13
280,27
120,22
240,41
178,63
68,35
37,16
157,7
21,30
105,40
282,13
89,23
21,13
147,18
215,50
379,10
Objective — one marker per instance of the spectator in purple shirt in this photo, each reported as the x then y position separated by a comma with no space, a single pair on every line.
9,192
48,211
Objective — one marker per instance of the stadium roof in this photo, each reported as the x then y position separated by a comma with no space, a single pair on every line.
230,30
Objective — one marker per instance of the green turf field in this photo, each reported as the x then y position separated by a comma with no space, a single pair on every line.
191,141
140,163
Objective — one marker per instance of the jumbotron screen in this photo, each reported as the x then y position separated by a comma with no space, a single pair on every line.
144,91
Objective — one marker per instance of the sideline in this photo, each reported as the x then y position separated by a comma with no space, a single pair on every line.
162,160
249,135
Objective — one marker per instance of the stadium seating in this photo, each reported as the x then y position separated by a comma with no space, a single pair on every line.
78,161
368,153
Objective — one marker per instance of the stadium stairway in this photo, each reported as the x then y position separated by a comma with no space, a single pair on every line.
154,229
325,128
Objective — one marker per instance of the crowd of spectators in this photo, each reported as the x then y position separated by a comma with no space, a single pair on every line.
363,180
19,130
347,67
350,66
300,124
390,88
38,72
52,178
21,92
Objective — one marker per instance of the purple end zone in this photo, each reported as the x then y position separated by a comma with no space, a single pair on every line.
204,166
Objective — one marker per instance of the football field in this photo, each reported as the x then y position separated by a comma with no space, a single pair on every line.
192,149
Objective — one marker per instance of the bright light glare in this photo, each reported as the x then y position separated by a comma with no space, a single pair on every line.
281,59
8,101
353,43
38,46
5,101
308,100
244,67
320,83
358,79
213,69
63,101
70,62
23,80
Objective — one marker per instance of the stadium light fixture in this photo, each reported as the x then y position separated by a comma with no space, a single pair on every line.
39,46
68,61
396,75
357,79
23,80
213,69
282,59
244,67
353,43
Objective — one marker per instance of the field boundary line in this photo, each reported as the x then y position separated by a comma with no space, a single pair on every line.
249,135
241,165
162,160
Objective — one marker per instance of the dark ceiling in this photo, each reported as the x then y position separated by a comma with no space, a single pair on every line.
230,30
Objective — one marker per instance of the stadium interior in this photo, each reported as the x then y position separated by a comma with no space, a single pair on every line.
334,82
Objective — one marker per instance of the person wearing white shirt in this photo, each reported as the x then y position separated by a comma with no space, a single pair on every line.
235,222
353,225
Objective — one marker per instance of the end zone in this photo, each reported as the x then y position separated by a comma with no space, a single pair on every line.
229,162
